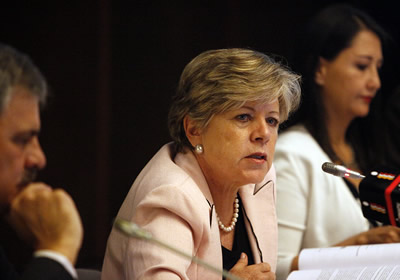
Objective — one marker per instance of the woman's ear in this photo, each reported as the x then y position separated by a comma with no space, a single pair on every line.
191,130
320,73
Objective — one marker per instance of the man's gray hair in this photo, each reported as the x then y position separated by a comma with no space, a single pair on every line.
17,69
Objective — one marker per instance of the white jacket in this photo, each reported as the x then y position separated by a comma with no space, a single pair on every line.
314,209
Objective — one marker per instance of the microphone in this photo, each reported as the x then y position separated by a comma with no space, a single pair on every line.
133,230
379,191
341,171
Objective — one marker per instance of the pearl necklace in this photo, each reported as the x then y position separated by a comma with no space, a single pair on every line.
234,218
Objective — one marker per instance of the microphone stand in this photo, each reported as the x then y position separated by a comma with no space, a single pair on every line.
133,230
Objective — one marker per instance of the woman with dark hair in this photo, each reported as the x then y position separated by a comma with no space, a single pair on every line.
340,55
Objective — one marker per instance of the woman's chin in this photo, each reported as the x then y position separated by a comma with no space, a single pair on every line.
255,178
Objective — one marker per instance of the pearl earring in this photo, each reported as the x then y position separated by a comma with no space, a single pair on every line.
199,149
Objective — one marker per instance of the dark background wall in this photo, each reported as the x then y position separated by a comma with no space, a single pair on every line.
112,67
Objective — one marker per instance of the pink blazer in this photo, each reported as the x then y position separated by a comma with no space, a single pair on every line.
171,199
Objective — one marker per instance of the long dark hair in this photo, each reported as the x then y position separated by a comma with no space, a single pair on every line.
328,33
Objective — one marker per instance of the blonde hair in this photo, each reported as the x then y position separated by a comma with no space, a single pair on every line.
220,80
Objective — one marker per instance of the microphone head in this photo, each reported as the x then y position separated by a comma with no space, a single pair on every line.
341,171
131,229
331,168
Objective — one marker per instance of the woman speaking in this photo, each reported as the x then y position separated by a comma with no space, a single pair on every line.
211,192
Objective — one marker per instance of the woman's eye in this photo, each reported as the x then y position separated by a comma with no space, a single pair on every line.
272,121
362,67
243,117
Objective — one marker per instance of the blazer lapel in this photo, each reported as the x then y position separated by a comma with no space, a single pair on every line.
261,223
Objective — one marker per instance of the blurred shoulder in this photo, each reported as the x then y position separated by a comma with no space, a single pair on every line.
296,147
296,138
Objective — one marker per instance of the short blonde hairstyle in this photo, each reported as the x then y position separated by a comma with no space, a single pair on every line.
217,81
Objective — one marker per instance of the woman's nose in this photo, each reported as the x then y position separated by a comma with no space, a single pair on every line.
374,81
261,131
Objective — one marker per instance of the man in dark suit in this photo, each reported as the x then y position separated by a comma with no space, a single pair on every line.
46,218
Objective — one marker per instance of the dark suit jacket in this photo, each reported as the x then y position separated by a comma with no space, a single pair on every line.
38,269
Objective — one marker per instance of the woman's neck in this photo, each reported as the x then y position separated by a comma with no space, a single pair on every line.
336,129
224,197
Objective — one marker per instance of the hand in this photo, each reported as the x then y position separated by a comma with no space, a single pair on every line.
48,219
252,272
384,234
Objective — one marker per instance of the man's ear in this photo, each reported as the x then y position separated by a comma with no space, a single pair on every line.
320,73
191,130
